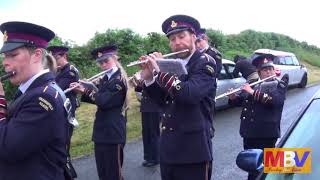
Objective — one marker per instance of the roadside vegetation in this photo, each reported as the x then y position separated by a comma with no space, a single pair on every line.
132,46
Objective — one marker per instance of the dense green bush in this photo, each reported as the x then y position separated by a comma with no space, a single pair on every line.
132,46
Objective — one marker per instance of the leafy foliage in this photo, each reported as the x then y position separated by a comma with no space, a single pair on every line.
132,46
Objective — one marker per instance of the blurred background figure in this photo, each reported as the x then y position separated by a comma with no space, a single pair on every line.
111,98
150,119
247,70
202,43
67,74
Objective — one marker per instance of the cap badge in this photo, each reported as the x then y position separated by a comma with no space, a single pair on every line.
173,24
5,36
265,60
99,54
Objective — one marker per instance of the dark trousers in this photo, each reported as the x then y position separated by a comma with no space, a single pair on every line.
109,160
197,171
150,136
258,143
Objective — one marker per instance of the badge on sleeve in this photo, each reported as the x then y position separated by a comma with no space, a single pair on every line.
210,69
118,87
45,104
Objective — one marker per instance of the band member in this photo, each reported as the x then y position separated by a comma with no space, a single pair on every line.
185,143
150,119
109,131
262,108
33,129
66,74
244,66
202,43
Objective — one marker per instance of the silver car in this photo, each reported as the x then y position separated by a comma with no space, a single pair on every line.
226,81
291,70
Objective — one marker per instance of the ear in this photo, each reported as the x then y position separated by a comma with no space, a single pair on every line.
37,55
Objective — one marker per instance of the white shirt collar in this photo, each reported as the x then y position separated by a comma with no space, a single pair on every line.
24,86
186,60
110,72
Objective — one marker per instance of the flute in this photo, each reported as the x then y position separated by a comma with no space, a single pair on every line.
7,76
164,56
239,89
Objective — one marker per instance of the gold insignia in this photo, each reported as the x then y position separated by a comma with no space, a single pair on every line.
5,36
45,104
100,54
210,69
173,24
118,87
178,87
265,60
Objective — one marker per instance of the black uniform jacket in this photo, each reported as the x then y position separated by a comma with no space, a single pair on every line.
110,124
261,113
186,118
33,137
65,76
217,56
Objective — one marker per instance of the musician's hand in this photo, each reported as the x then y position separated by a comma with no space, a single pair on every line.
246,87
233,95
152,63
1,89
78,87
146,74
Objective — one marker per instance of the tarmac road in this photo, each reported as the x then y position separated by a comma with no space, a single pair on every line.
227,143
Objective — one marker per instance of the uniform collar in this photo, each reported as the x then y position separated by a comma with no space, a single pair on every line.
111,71
186,60
24,86
204,49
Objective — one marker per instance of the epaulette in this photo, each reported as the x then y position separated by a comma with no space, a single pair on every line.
215,50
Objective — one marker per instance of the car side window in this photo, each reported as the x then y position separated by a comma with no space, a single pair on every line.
288,60
295,61
223,74
282,61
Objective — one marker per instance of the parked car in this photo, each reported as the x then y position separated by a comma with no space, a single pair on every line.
291,70
303,133
226,80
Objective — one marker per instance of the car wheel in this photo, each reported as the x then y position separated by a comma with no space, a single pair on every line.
303,81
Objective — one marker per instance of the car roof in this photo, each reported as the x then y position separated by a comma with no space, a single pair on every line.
226,61
273,52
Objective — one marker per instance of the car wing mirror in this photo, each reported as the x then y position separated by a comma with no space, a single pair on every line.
250,160
302,66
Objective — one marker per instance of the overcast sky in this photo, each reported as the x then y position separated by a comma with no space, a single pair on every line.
78,20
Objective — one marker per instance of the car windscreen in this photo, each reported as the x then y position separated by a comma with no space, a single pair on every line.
305,135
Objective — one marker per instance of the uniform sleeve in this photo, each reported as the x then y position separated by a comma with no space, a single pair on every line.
108,97
236,70
29,131
67,79
200,83
274,98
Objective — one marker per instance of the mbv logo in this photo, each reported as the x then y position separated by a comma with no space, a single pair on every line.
287,160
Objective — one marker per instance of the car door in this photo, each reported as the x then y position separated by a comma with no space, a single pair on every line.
299,72
225,82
